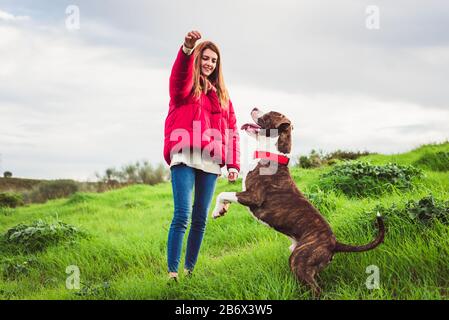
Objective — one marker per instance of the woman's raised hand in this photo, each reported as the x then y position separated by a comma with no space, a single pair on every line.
191,38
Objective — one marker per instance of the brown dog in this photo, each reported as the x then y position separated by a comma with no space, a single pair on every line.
273,198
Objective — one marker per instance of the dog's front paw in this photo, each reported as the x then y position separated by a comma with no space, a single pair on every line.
216,214
220,210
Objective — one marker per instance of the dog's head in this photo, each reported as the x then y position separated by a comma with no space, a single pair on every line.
271,125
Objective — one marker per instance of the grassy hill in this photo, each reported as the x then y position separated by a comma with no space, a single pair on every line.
124,254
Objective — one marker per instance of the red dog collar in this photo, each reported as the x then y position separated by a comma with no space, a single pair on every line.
271,156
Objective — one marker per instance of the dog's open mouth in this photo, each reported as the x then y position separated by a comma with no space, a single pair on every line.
251,127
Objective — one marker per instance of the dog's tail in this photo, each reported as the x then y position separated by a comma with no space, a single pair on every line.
340,247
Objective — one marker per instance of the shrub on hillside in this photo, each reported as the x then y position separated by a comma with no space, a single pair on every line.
49,190
88,187
13,268
39,235
346,155
428,209
314,160
134,173
150,175
318,158
356,178
10,199
7,174
98,290
425,210
438,161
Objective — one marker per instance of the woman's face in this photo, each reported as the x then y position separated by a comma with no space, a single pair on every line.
208,62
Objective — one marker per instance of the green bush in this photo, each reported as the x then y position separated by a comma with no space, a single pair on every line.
314,160
10,199
424,211
39,235
49,190
95,290
318,158
13,268
428,209
150,175
134,173
7,174
438,161
346,155
356,178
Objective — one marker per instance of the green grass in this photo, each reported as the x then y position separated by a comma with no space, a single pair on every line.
124,256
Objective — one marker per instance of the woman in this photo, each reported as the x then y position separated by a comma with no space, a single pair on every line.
202,115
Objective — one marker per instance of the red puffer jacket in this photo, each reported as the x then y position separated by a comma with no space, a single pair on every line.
209,126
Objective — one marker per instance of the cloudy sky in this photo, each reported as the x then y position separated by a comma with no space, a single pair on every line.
350,76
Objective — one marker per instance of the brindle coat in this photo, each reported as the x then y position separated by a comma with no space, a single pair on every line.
276,200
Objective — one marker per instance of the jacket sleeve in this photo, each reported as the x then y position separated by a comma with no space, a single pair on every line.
181,77
233,147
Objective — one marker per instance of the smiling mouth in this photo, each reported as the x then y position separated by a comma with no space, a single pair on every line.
252,127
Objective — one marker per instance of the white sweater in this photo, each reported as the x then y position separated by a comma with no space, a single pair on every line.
194,160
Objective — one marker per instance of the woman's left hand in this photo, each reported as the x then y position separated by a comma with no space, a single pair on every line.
232,176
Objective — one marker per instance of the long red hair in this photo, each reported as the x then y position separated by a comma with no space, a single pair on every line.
216,77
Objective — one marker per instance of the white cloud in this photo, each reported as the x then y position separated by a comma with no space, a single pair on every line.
304,46
5,16
69,108
72,103
348,122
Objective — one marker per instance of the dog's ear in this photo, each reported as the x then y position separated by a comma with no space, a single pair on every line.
281,122
283,126
284,143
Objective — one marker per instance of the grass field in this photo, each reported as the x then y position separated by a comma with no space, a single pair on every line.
124,256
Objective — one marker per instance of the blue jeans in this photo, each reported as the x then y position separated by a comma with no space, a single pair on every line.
183,179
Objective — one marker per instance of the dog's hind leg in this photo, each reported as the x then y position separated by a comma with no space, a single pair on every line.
305,262
306,275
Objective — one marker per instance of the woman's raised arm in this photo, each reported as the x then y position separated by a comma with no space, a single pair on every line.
181,78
